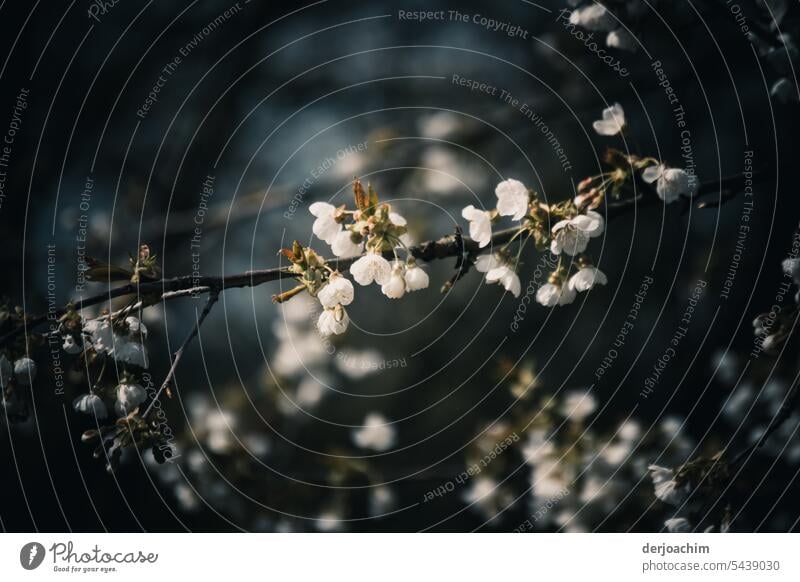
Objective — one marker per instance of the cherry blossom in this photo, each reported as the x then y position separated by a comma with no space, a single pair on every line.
325,226
578,406
333,321
593,17
791,267
395,285
572,236
397,219
551,294
90,404
498,270
372,267
666,488
70,345
339,290
343,245
586,278
130,351
25,371
480,225
129,396
416,277
376,434
512,199
678,525
622,39
613,121
671,183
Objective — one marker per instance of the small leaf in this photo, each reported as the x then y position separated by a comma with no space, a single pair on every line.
372,199
361,197
100,271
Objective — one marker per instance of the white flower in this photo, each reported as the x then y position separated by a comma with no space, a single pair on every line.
339,290
630,431
671,183
480,225
594,489
548,479
129,351
136,328
343,245
309,393
376,434
90,404
578,406
512,199
499,271
613,121
481,491
333,321
6,371
25,371
129,396
586,278
551,295
792,268
100,335
325,226
616,454
70,345
572,236
329,521
381,500
538,447
416,278
395,286
593,17
568,239
369,268
220,427
621,39
678,525
666,488
397,219
591,222
507,277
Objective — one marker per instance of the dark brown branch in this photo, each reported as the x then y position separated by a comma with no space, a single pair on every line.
212,299
726,188
446,247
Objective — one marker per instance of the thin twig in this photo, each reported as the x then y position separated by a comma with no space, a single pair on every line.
212,299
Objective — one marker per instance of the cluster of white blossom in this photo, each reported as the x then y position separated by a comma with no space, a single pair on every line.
225,432
566,228
123,341
670,183
569,236
375,228
304,362
580,475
